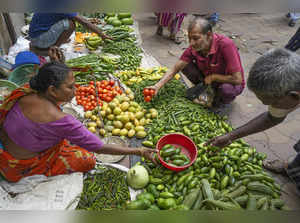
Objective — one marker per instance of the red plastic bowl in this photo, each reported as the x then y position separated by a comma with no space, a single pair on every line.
187,146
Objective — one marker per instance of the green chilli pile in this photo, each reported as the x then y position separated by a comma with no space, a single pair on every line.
106,189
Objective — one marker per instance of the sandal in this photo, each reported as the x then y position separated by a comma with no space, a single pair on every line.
177,40
276,166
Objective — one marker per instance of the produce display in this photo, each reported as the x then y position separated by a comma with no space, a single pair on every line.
123,44
231,178
87,95
92,43
98,64
118,19
106,189
130,77
122,117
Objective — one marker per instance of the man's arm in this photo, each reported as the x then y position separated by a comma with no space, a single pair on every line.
84,22
169,75
258,124
235,78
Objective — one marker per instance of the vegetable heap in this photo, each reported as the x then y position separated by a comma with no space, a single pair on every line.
99,64
106,189
227,179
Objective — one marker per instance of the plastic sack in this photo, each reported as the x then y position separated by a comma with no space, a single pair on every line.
207,97
22,44
39,192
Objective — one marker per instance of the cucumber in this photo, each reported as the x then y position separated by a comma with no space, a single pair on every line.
278,203
142,204
261,202
238,192
251,204
198,202
206,189
257,186
242,200
178,162
191,198
223,205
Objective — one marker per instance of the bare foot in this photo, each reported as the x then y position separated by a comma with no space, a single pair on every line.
276,166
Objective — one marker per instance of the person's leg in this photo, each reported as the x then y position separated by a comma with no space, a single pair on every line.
159,30
228,92
192,72
58,34
293,171
294,42
65,35
71,159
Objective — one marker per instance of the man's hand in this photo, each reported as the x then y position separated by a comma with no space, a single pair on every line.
56,54
220,141
155,88
209,79
148,154
104,36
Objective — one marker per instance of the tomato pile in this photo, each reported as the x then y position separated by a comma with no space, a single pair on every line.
86,95
148,94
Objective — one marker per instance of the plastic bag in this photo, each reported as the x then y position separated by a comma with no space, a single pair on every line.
39,192
207,97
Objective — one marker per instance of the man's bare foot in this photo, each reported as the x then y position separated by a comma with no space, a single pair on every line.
276,166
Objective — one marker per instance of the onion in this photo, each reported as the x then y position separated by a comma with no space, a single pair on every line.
137,177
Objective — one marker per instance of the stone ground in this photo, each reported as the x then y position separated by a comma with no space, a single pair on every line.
254,34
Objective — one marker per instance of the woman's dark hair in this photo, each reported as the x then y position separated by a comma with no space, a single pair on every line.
53,73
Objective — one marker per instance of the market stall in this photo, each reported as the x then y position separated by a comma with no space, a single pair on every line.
112,101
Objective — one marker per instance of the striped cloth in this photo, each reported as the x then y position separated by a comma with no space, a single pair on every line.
171,20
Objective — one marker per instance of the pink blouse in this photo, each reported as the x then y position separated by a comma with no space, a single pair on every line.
37,137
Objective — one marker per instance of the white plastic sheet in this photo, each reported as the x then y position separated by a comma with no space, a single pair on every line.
41,193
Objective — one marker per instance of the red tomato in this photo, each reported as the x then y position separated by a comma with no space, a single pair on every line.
146,92
108,99
91,82
152,92
111,82
147,98
105,82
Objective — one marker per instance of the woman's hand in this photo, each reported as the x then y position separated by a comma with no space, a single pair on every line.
220,141
148,154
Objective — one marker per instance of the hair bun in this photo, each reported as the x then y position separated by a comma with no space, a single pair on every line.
34,83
